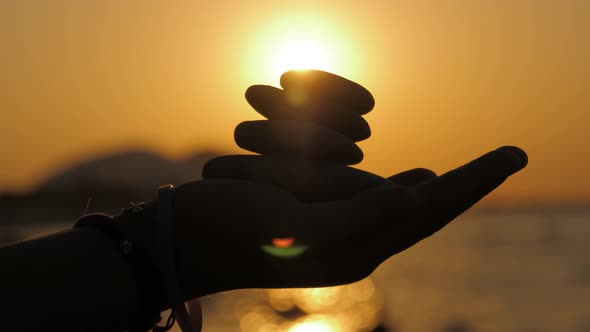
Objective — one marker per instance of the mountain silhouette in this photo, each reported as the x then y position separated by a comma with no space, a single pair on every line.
109,182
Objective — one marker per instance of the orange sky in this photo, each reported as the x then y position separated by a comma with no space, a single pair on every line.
451,79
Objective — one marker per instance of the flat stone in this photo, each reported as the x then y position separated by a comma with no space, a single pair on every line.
297,139
307,180
277,104
316,84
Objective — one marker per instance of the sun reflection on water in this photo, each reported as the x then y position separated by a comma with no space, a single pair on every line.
316,323
347,308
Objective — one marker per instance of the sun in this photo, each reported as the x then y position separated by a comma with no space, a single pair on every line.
301,54
299,41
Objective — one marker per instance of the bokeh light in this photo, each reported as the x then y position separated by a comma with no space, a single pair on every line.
347,308
316,323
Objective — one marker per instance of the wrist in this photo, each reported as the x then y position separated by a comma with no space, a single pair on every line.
140,222
142,225
150,296
153,226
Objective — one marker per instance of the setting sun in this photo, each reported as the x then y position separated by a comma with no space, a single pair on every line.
300,42
302,54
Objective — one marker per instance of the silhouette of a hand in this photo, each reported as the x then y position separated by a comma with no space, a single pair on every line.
348,221
373,219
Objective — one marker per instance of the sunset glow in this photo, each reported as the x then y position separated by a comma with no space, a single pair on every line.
103,102
302,54
301,42
450,82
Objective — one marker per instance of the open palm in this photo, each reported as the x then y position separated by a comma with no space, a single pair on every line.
349,220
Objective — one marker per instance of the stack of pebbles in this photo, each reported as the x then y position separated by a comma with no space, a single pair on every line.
317,116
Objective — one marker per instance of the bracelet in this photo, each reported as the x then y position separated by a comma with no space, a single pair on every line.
165,227
151,296
157,287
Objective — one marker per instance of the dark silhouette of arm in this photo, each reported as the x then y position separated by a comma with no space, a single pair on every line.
73,280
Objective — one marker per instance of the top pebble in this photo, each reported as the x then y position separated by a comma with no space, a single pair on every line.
320,84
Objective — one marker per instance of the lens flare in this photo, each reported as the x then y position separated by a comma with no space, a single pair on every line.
284,247
283,242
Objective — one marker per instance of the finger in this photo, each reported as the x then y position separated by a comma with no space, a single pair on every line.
412,177
316,84
277,104
308,181
454,192
297,140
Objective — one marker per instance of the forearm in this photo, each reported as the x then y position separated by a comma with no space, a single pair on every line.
77,273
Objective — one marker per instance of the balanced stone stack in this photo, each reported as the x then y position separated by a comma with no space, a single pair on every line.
316,116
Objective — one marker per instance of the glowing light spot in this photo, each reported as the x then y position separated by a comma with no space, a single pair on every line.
283,242
315,323
302,54
301,40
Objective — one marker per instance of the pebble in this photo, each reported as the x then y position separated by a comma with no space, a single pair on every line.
297,139
307,180
277,104
321,85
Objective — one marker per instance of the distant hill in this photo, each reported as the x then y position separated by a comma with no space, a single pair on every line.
111,182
